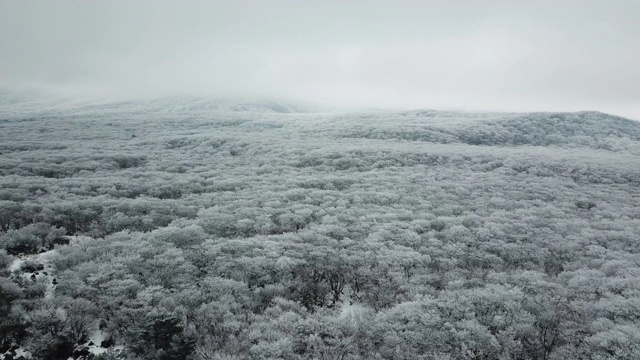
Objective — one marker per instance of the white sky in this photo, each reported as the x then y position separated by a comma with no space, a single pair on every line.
518,55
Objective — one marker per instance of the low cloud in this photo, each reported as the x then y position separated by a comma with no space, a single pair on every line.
494,56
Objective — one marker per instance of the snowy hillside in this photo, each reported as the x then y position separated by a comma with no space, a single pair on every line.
26,106
229,230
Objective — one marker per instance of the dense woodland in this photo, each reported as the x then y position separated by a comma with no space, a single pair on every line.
187,228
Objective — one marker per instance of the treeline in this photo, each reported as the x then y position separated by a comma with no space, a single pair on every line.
585,129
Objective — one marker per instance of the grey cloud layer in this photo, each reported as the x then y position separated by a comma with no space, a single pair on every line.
498,55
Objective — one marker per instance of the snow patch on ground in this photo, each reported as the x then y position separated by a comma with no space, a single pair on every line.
15,265
96,338
16,354
23,353
44,275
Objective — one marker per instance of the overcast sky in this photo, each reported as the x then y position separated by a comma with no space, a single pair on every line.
560,55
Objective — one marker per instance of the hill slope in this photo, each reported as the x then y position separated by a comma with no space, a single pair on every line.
208,231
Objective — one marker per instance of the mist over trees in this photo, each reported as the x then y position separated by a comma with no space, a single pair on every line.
197,229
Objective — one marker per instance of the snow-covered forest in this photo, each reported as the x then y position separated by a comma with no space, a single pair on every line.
188,228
